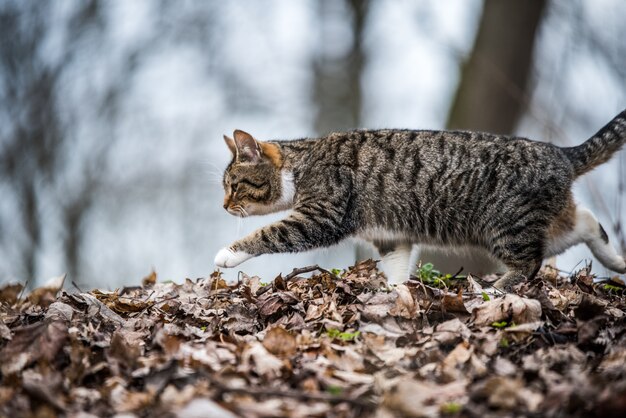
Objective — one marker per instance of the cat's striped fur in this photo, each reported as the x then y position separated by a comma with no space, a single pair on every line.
396,188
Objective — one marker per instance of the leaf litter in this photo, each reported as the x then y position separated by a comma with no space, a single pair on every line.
335,344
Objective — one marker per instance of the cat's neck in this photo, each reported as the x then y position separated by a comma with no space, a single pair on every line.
288,188
295,153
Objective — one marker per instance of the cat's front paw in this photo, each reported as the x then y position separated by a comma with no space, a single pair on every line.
227,258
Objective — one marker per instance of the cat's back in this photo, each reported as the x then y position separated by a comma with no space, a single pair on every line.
430,148
401,155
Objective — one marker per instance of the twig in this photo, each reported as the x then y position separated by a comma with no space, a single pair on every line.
76,286
486,284
303,396
153,304
19,297
295,272
307,269
457,273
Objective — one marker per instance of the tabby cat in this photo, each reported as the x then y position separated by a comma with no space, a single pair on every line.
396,188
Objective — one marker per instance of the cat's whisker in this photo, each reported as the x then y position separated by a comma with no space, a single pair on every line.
215,181
214,173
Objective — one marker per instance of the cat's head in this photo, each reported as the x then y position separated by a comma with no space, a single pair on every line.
254,181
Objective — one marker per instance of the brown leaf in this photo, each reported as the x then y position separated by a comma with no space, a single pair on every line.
40,341
124,400
46,294
456,358
125,347
44,388
590,307
414,398
510,394
270,303
240,319
280,342
10,292
96,308
451,332
454,303
150,279
60,311
255,356
5,332
405,306
201,408
121,304
511,308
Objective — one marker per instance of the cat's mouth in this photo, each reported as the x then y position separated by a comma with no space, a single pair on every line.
237,210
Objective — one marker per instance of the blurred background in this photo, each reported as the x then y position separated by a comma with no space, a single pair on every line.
112,112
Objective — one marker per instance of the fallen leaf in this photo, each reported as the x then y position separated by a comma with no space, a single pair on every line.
510,394
454,303
415,398
46,294
30,343
456,358
202,408
10,292
262,361
405,306
150,279
280,342
510,308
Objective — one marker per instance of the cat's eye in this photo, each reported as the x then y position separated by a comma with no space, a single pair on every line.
251,184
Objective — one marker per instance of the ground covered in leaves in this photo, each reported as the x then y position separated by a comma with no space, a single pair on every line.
335,344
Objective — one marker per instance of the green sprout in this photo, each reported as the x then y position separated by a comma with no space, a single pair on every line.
334,390
336,272
451,408
429,275
612,288
344,336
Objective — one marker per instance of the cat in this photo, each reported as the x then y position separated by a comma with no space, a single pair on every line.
396,188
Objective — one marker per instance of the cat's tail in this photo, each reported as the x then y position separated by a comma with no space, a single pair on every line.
600,147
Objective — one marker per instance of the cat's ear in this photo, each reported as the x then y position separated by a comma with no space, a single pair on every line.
248,149
230,143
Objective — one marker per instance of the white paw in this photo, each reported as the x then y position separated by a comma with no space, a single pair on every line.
616,264
622,266
227,258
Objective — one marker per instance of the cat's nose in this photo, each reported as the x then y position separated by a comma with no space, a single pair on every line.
226,205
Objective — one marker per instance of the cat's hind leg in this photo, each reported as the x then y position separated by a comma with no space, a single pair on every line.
522,254
396,258
577,225
516,274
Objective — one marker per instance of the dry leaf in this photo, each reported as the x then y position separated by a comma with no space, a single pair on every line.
280,342
405,306
30,343
414,398
206,347
150,279
46,294
10,292
510,308
454,303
